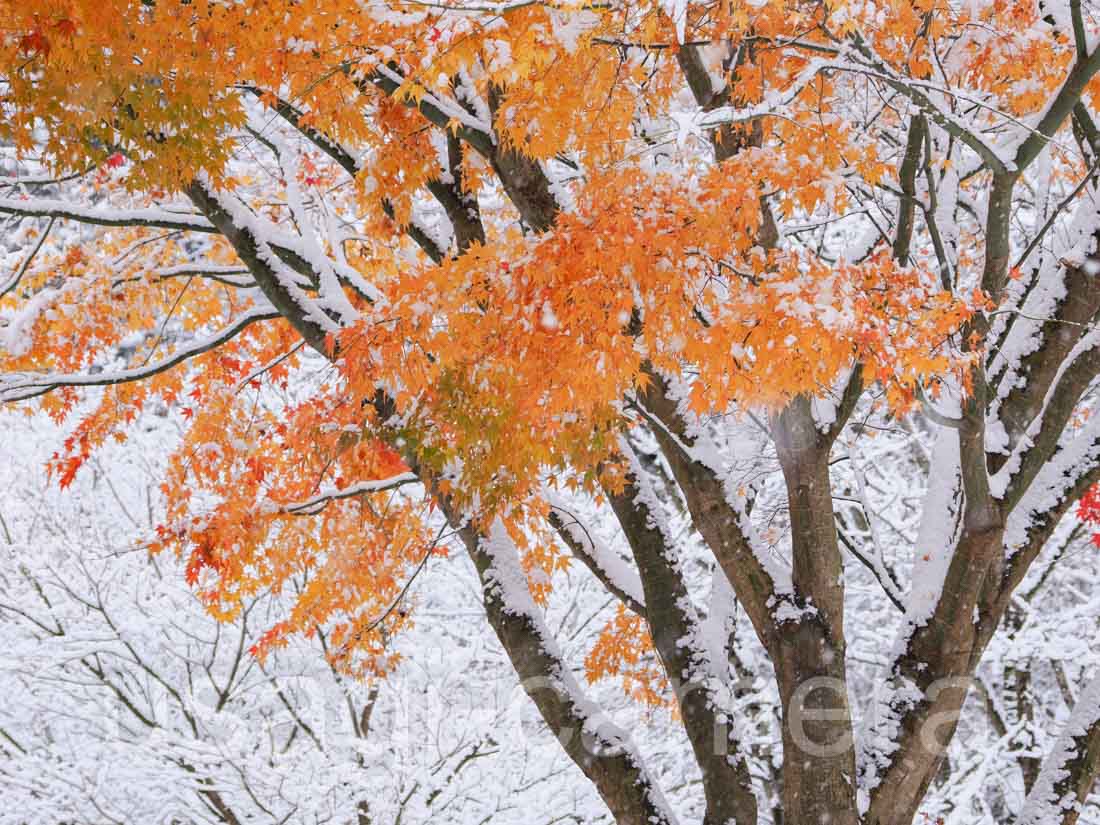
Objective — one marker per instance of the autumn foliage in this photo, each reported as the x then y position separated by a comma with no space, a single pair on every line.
385,260
512,358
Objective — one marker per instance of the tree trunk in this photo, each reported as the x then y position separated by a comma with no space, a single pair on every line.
819,771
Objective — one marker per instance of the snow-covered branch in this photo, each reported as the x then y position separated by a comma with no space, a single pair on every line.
316,503
19,386
105,216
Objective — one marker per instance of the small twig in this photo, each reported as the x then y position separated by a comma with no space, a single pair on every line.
408,584
13,282
164,323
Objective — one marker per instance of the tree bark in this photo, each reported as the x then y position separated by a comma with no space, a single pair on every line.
674,628
819,771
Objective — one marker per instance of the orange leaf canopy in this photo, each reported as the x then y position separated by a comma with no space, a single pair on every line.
511,363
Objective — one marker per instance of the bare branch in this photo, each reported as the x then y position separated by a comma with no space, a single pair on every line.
17,276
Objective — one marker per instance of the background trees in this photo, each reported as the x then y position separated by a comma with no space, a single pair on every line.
795,300
127,702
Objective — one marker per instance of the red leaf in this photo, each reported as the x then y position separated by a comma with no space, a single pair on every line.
256,465
72,464
1088,510
35,43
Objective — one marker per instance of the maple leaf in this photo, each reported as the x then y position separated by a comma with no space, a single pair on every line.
66,27
70,466
1088,511
35,43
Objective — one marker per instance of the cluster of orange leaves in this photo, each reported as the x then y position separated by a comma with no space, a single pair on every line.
243,460
518,355
624,651
560,84
345,560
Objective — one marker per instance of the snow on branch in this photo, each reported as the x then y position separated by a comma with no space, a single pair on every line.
1063,475
614,765
1069,771
607,565
773,104
874,66
318,502
18,387
103,216
330,291
255,241
225,274
448,108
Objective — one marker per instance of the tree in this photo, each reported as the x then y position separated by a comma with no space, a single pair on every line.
676,262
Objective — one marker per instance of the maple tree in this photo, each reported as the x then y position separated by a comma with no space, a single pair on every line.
420,260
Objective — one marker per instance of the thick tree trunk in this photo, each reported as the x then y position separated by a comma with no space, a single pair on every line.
818,756
819,771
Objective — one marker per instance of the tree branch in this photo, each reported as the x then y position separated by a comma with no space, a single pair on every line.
151,218
673,625
1069,771
23,387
